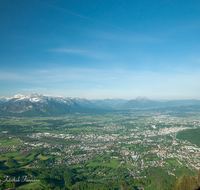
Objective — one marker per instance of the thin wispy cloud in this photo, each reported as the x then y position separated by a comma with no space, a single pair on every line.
88,74
81,52
132,37
195,59
176,30
89,82
81,16
129,37
70,51
6,75
33,89
61,9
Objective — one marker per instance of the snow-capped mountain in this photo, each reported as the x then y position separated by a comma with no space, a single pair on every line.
3,99
46,98
28,97
43,104
142,99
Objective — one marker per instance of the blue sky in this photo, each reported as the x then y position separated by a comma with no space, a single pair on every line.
100,49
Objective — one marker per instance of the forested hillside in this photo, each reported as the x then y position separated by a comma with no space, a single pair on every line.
192,135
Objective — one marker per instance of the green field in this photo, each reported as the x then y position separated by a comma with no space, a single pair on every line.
9,143
113,163
11,154
34,185
42,157
173,162
31,156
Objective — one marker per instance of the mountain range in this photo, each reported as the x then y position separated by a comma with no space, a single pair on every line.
45,105
143,102
42,105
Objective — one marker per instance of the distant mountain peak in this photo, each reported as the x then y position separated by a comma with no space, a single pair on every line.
4,99
142,99
17,96
28,97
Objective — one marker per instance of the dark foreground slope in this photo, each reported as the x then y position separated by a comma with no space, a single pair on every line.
186,182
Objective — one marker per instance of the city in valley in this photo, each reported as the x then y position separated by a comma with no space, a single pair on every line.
116,149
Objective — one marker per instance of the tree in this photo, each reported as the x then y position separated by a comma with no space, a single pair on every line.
184,182
198,178
193,183
175,184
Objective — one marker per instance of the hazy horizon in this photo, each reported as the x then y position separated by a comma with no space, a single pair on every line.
101,49
96,99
